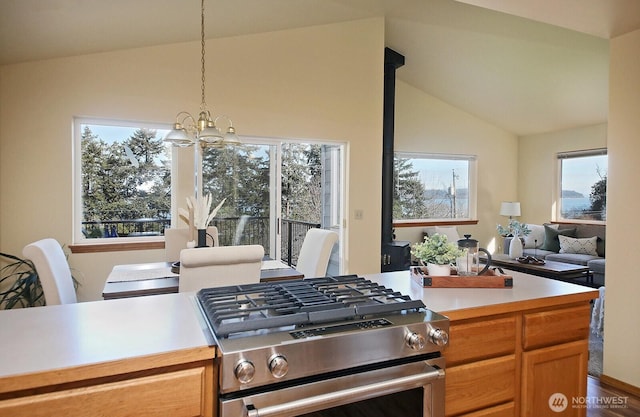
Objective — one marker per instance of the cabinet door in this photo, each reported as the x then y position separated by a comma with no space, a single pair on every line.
176,394
479,385
552,377
502,410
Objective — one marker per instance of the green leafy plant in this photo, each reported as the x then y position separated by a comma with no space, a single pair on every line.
19,283
436,250
514,228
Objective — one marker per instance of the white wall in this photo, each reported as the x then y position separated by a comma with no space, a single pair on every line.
621,336
537,167
322,82
426,124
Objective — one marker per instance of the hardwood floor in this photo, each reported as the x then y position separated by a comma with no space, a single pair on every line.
611,402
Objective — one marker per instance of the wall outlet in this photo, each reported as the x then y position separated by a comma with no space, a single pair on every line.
358,214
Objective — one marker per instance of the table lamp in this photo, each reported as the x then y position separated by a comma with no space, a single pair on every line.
510,208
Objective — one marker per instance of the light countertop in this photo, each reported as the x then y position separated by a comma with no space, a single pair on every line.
51,338
528,292
104,333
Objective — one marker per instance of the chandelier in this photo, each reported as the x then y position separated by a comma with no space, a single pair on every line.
188,131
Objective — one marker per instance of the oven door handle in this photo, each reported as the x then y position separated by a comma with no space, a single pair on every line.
348,395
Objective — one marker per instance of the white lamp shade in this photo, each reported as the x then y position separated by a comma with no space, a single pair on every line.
510,208
178,137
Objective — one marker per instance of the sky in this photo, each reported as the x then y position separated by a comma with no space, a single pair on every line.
579,174
437,173
112,134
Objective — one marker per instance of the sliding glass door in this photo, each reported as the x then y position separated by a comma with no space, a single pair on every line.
275,192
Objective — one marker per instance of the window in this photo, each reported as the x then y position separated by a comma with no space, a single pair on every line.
434,187
123,180
583,185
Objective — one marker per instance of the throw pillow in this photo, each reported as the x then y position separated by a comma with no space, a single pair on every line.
551,242
586,246
535,239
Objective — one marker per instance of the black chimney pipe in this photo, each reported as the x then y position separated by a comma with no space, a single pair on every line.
392,61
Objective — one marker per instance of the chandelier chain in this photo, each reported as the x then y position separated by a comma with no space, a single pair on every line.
203,104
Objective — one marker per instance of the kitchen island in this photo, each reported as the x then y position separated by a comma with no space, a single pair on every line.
150,355
144,356
510,349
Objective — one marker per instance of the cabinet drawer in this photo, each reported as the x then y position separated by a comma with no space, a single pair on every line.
552,327
502,410
480,339
176,394
479,385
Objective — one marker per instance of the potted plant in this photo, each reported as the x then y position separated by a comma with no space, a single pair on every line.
514,228
19,283
437,254
517,231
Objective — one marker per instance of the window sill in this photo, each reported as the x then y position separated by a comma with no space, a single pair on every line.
425,223
116,247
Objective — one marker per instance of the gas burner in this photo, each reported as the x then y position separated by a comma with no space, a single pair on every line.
244,308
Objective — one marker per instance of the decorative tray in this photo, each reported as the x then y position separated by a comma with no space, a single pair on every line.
491,279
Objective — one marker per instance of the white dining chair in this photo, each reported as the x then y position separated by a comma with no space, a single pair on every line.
53,270
219,266
176,238
315,252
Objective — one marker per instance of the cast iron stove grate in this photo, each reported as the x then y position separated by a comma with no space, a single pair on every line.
242,308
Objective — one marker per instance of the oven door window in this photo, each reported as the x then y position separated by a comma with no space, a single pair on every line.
405,404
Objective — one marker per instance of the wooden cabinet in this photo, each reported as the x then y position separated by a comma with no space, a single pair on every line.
481,366
554,361
180,391
483,338
502,410
479,384
550,327
509,365
560,369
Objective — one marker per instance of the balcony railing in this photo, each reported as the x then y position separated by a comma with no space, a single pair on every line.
245,230
125,228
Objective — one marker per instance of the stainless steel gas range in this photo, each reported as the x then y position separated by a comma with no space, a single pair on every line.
322,346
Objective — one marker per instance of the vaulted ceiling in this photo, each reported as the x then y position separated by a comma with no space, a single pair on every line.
528,66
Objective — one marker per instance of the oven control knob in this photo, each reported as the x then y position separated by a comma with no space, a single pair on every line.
415,341
278,365
244,371
439,337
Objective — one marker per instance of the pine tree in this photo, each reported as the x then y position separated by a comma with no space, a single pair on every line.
408,191
126,180
598,198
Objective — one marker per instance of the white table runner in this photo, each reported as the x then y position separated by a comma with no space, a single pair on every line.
273,264
124,275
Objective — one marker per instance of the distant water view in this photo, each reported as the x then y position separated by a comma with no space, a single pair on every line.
579,203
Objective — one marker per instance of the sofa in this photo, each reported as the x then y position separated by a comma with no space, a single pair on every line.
574,243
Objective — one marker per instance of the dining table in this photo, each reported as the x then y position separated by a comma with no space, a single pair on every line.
152,278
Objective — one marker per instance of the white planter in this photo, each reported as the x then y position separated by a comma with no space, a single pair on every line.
438,270
515,248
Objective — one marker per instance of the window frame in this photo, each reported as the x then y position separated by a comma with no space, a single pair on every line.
81,244
561,156
472,192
